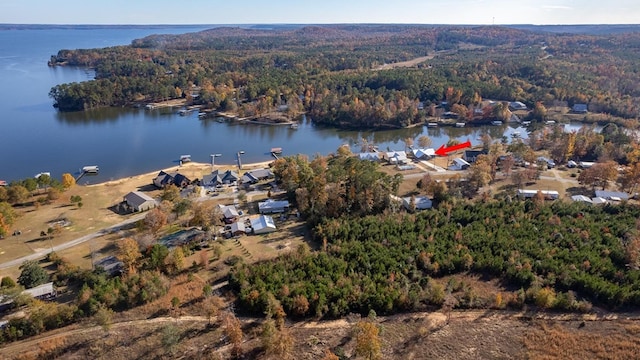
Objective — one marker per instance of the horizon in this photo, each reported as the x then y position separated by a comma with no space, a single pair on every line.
430,12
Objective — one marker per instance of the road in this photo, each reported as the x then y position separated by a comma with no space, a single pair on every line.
39,254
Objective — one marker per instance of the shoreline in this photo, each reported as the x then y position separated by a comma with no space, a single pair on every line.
190,168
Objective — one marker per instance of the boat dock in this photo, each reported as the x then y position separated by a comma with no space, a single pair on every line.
93,169
276,151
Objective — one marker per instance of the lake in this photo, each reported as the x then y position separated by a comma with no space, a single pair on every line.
35,137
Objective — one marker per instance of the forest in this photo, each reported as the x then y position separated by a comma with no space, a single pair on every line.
337,73
558,255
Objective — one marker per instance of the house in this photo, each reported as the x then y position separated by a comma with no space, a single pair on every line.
272,206
450,115
421,203
371,156
585,164
138,201
238,228
459,164
263,224
217,178
229,212
579,108
550,163
423,153
612,195
395,157
517,105
163,179
599,201
548,194
253,176
471,156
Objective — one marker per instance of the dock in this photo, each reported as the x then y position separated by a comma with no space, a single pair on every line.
275,152
92,170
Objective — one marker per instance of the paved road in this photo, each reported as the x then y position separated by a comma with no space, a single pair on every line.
39,254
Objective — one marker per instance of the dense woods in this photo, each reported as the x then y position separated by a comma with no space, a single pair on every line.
337,73
559,255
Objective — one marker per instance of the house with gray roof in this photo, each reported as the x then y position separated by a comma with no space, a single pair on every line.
253,176
217,178
164,179
421,203
139,201
263,224
612,195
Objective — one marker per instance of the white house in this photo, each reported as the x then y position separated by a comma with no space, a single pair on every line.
421,202
271,206
459,164
423,153
395,157
528,194
138,201
263,224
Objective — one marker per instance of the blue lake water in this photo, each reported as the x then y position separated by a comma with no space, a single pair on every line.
35,137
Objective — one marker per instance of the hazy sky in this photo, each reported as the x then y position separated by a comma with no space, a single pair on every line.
317,12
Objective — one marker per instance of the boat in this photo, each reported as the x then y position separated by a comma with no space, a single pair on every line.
185,158
460,125
183,112
42,173
496,123
93,169
276,150
294,125
3,183
432,124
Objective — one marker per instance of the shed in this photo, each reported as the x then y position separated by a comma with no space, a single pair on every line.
273,206
263,224
238,228
139,201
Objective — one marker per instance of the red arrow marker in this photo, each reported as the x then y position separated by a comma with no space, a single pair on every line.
444,151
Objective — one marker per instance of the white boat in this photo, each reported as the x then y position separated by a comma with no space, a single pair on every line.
294,125
185,158
496,123
432,124
460,125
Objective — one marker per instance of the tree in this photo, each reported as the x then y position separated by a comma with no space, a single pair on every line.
32,274
7,217
233,330
68,181
600,174
176,260
155,220
170,193
181,207
367,340
128,253
17,194
424,141
7,283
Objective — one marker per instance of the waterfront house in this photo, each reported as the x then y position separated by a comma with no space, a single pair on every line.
424,153
217,178
263,224
164,179
371,156
273,206
253,176
395,157
138,201
517,105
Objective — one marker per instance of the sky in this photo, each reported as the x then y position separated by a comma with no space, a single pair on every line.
476,12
